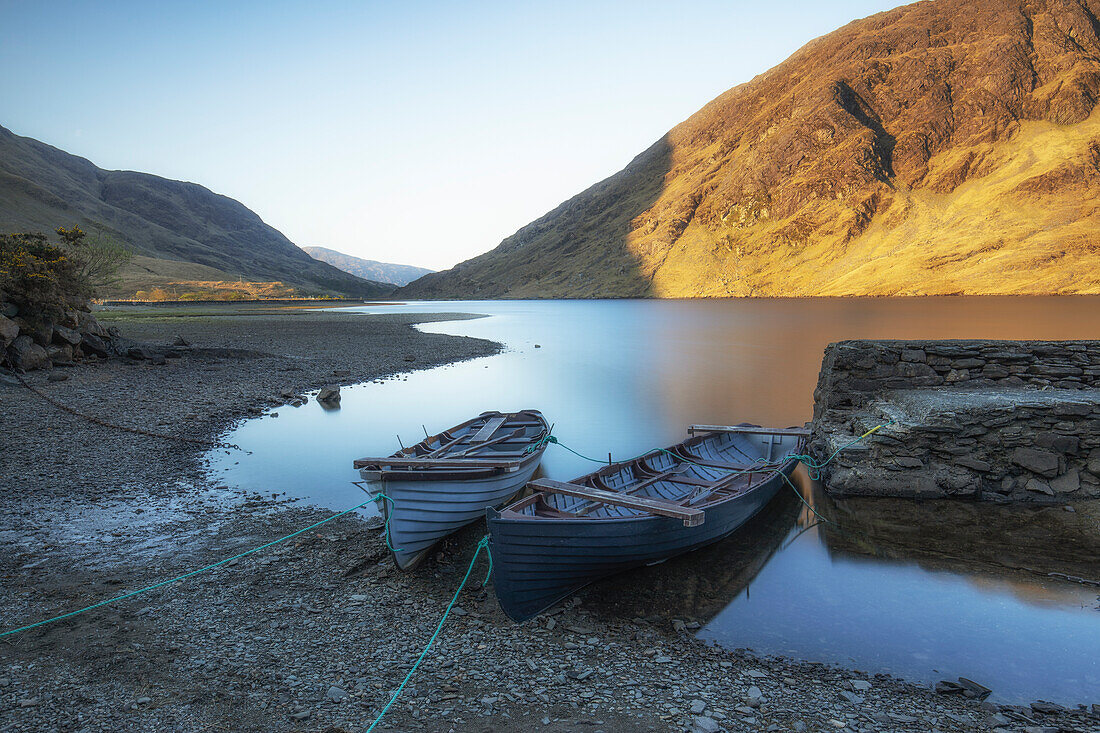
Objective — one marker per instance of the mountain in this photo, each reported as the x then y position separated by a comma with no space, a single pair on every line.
383,272
178,229
937,148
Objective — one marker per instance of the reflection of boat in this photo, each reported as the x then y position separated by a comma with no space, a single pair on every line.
448,480
699,585
645,510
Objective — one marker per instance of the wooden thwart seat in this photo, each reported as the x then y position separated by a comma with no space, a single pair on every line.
487,443
437,462
690,517
750,430
488,429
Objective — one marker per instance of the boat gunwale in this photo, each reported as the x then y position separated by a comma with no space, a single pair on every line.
442,469
511,511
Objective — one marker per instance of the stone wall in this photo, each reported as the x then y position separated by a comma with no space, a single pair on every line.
991,420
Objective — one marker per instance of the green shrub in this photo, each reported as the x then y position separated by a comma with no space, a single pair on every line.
44,280
39,277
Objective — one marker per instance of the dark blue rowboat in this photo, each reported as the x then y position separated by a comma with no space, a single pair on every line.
643,511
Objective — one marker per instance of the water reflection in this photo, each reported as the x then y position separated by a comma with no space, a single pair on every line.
925,591
699,585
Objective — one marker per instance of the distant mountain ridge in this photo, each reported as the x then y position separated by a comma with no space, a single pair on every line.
167,222
946,147
383,272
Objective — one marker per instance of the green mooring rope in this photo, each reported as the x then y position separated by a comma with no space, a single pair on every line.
163,583
386,526
482,545
386,529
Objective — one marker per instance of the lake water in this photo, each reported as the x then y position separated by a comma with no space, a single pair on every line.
621,377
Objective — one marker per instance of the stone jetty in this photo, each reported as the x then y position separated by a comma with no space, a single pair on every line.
1005,421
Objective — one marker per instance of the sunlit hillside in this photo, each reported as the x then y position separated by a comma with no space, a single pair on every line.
941,147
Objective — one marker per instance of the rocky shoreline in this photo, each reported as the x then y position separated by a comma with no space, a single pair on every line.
315,634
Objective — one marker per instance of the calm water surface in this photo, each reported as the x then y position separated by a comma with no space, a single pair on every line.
625,376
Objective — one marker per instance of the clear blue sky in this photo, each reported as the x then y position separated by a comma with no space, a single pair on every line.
412,132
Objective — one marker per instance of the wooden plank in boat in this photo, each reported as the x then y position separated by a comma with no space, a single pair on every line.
488,429
802,432
486,444
449,444
740,468
690,517
436,462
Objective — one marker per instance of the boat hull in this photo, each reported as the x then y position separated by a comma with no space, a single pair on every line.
537,563
420,513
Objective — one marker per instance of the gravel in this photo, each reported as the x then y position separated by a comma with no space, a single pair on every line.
316,633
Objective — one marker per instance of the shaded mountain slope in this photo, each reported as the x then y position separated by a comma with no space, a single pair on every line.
42,187
941,147
383,272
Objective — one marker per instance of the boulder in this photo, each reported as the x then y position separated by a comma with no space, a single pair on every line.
60,353
181,341
93,344
137,352
975,463
1067,483
1041,462
56,376
9,329
40,331
329,394
26,355
9,310
63,335
1058,443
1094,462
1039,487
87,324
974,689
71,319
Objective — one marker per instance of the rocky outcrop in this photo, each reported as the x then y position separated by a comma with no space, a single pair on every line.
991,420
29,341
